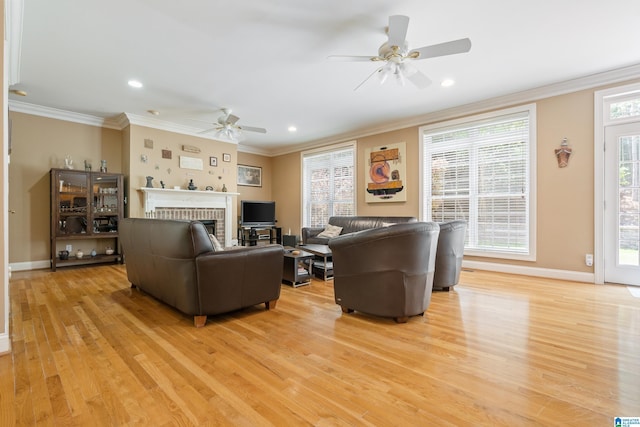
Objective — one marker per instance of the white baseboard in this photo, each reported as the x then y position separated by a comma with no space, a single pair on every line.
576,276
30,265
5,343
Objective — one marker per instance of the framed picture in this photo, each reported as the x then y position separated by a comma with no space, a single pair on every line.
385,174
213,161
250,176
226,157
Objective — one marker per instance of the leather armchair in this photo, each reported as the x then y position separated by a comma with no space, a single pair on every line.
174,261
386,271
449,254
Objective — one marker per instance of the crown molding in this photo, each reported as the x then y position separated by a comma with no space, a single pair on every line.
126,119
253,150
68,116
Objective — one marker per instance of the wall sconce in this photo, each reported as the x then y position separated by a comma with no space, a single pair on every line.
563,153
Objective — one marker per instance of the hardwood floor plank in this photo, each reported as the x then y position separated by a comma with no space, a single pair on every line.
8,404
496,350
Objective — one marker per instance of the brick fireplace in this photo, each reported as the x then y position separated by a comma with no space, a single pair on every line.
203,206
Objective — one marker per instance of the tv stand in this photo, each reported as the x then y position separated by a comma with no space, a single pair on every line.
250,236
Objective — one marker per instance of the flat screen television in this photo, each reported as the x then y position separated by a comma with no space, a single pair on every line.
257,213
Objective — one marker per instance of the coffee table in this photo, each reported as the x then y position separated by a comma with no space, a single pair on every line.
321,251
292,272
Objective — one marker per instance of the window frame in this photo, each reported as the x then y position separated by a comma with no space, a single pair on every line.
530,110
327,149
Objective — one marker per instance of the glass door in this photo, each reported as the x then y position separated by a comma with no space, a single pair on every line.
106,203
622,204
73,189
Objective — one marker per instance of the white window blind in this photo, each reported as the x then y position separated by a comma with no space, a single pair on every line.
328,184
479,171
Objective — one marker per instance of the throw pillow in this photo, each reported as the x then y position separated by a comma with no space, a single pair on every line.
216,244
330,231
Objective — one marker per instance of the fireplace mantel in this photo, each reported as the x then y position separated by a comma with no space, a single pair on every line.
166,198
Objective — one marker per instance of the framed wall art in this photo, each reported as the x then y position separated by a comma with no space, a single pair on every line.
226,157
213,161
250,176
191,163
385,173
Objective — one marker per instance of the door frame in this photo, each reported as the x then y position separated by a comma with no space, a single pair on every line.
601,100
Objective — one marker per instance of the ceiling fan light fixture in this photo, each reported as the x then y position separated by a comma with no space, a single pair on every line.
135,83
397,56
407,70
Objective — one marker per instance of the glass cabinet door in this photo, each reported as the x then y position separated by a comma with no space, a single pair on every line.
106,203
72,206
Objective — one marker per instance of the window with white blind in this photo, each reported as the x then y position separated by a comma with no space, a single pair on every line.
328,184
481,169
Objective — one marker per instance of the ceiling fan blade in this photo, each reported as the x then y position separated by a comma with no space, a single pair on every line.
398,25
353,58
415,76
377,70
231,119
442,49
252,129
208,130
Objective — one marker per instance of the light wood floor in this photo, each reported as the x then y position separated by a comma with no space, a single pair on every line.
498,350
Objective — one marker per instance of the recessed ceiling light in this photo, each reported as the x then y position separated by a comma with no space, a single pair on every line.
447,83
292,128
135,83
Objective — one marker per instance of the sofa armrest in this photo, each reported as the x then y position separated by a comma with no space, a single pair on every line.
310,232
245,276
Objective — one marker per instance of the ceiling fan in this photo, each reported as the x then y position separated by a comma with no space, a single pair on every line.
227,127
398,57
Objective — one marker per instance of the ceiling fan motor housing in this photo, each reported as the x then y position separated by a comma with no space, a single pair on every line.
395,54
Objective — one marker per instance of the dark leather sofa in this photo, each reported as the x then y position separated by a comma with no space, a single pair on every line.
386,271
351,224
175,262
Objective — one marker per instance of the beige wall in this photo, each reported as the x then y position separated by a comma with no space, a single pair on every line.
411,182
168,170
39,144
286,192
256,193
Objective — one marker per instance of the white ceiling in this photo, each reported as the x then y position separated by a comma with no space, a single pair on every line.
267,59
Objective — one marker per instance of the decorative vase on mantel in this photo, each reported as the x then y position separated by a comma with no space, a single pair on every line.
149,182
